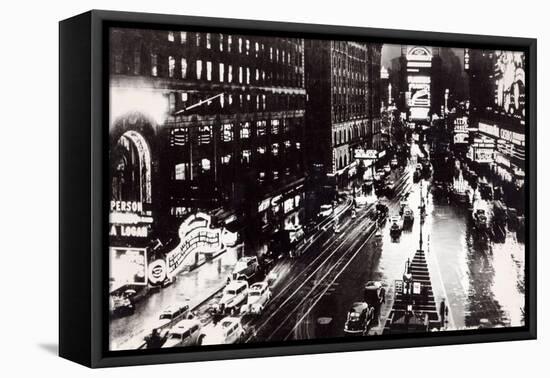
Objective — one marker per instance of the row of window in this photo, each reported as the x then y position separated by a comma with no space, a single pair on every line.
234,103
292,55
182,171
182,68
204,134
345,136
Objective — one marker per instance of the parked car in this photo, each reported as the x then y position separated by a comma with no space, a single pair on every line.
233,297
184,333
374,293
244,269
258,296
228,331
359,319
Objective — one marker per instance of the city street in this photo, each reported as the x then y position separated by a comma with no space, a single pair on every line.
365,188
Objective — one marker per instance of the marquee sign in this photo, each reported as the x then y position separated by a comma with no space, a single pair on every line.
196,236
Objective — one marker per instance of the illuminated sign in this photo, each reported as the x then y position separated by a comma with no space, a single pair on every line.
126,206
360,153
196,236
128,231
157,272
127,266
509,73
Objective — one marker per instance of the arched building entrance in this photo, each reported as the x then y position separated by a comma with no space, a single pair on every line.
131,169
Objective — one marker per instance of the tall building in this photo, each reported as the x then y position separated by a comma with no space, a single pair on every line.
221,118
420,92
343,103
497,111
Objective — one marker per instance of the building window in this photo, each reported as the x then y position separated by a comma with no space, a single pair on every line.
179,137
275,126
247,46
256,49
261,128
171,66
226,159
222,67
275,149
209,71
184,96
182,171
208,42
154,67
287,144
271,53
221,42
171,36
298,145
240,75
227,132
257,74
199,69
245,157
118,63
263,102
183,37
222,101
257,102
229,73
245,130
197,39
172,102
183,68
261,150
137,62
240,45
247,75
229,41
205,135
205,165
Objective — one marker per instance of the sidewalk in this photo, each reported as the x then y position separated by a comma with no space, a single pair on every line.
192,288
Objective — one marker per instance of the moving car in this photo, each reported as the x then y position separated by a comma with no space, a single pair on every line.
258,296
173,312
325,211
359,319
233,297
228,331
408,216
395,226
184,333
245,269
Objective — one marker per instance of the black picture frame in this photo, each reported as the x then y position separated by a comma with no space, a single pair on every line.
83,143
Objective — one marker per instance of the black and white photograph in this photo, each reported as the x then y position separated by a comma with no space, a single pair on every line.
270,189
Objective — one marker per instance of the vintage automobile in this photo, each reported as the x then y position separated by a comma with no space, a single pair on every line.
408,216
360,317
173,312
228,331
121,305
480,219
258,296
233,297
374,293
395,226
185,333
244,269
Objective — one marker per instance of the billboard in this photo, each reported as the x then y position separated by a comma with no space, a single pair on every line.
509,74
127,266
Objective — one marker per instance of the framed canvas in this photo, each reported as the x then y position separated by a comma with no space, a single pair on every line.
234,188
